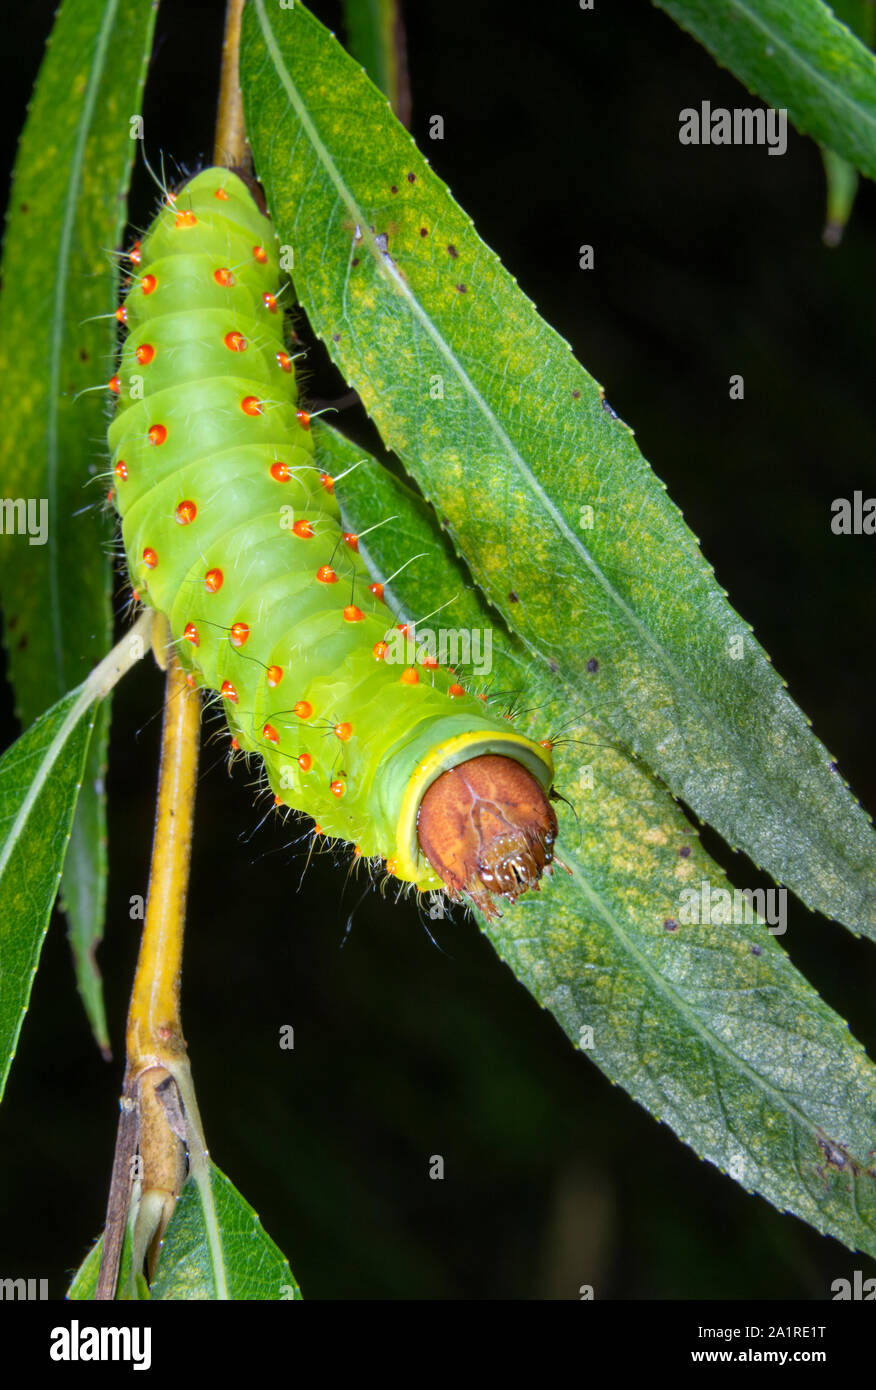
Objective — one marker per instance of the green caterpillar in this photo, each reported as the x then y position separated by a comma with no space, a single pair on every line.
232,531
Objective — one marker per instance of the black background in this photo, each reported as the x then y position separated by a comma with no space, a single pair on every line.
561,127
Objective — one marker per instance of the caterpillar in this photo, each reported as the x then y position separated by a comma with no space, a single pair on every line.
233,533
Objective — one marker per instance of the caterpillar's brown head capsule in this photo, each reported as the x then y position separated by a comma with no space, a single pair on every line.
488,829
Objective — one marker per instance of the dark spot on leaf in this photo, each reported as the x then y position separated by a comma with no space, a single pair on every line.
593,664
452,251
83,355
512,597
461,289
670,924
836,1156
22,643
24,207
424,231
685,851
412,178
12,624
553,665
576,395
757,950
336,337
393,189
355,260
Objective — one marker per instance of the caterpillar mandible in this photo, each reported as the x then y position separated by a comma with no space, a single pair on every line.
233,533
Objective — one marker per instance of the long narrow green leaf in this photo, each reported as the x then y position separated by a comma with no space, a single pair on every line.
797,56
254,1268
841,177
66,214
565,527
40,777
710,1027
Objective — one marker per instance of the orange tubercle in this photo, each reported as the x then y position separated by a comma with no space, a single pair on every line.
228,692
223,277
303,529
409,676
150,559
191,634
280,472
186,512
239,634
326,575
352,614
157,435
235,342
303,708
213,581
274,675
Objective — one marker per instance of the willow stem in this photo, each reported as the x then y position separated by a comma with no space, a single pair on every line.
148,1146
154,1026
230,146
